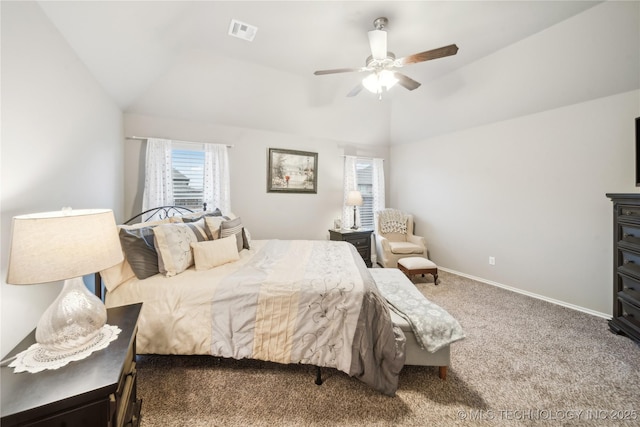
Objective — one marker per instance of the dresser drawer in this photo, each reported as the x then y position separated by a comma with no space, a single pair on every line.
629,214
630,236
629,263
629,282
630,310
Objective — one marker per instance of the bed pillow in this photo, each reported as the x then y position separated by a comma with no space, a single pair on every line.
113,277
139,250
234,227
195,216
173,243
213,225
212,253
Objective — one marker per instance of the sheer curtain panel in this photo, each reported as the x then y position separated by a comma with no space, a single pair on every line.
158,181
217,188
378,186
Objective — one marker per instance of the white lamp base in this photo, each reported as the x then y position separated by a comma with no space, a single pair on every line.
73,319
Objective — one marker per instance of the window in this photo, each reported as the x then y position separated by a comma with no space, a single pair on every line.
364,181
187,166
186,174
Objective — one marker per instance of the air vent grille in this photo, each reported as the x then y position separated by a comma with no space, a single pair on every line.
242,30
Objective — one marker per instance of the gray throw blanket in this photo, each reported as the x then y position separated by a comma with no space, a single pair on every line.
431,324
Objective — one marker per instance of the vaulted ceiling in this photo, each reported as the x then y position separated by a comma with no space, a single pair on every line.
176,58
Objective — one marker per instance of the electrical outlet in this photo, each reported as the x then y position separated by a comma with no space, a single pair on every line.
492,260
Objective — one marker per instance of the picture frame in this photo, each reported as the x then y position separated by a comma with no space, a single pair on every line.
292,171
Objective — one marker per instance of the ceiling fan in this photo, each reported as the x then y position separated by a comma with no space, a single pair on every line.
382,64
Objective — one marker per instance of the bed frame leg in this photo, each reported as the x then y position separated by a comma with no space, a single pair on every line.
318,376
443,372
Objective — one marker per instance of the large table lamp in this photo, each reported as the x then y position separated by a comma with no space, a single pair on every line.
65,245
354,198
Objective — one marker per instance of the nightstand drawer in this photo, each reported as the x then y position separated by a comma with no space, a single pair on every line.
360,241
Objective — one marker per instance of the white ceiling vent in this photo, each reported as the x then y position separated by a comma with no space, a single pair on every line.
242,31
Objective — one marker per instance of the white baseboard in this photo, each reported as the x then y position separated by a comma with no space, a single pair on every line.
530,294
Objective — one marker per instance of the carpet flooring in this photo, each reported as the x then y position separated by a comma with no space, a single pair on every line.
524,362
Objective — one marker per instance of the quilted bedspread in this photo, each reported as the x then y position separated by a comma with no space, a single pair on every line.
309,302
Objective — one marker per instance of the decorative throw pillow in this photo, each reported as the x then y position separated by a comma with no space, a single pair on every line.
234,227
197,216
139,250
213,225
173,242
213,253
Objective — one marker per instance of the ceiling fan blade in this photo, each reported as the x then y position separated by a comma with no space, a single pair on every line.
406,82
441,52
340,70
356,90
378,43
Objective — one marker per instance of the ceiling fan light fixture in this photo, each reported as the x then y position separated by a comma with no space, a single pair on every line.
383,65
375,82
387,79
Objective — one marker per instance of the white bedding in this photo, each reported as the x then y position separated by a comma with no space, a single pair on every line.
286,301
182,303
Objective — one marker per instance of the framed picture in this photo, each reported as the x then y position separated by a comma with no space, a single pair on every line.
291,171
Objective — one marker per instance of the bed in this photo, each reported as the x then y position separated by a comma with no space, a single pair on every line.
217,292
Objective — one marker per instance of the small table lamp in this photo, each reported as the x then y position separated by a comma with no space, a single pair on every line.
65,245
354,198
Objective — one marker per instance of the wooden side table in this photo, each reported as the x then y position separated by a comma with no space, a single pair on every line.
97,391
361,239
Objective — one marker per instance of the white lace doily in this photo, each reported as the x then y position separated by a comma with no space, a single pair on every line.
36,358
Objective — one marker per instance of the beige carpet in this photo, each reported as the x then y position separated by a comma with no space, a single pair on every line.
524,362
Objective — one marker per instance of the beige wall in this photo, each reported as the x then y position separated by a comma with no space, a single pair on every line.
61,146
529,192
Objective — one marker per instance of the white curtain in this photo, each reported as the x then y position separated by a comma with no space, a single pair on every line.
378,186
350,184
158,180
217,188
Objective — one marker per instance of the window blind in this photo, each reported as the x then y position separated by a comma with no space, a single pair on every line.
188,177
364,179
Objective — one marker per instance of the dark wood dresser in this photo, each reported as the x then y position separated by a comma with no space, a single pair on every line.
361,239
626,265
97,391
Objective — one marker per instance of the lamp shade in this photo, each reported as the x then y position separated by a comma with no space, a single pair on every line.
52,246
354,198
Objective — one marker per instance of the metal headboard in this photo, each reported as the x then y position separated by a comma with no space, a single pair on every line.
162,212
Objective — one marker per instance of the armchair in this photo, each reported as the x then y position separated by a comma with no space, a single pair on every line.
392,246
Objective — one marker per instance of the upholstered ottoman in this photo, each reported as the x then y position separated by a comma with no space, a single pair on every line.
418,265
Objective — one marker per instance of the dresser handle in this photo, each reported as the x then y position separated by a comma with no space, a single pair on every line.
627,261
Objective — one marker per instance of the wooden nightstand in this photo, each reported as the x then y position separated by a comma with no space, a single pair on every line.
97,391
361,239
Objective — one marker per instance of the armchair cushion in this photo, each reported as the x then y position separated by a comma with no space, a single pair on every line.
405,248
